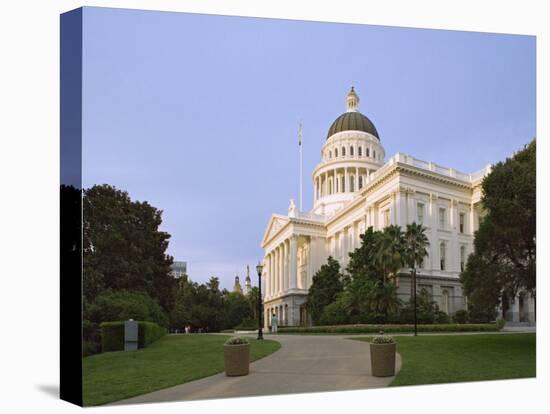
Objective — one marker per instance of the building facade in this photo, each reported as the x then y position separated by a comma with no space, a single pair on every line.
237,286
355,187
178,269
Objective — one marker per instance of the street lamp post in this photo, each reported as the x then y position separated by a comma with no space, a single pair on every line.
259,268
413,277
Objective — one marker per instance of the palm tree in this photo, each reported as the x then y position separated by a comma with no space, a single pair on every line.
416,243
382,299
391,252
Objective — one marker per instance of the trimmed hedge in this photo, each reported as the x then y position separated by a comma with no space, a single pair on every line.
112,335
374,329
149,332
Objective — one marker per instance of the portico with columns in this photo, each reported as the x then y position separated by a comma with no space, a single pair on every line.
289,265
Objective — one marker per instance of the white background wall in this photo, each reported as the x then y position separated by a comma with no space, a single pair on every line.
29,136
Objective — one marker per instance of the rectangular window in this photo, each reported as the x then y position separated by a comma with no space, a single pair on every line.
442,256
420,213
462,258
461,222
442,213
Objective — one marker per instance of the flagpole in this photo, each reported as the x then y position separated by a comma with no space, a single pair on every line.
301,181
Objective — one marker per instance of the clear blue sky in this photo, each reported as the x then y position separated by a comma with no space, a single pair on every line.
199,114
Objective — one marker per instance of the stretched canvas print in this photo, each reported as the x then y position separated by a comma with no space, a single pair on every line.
261,207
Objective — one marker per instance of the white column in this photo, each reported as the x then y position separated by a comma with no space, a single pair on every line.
271,272
454,248
399,208
293,261
281,269
278,274
275,271
309,270
356,179
285,266
434,242
472,222
515,309
410,208
318,189
268,275
530,307
346,181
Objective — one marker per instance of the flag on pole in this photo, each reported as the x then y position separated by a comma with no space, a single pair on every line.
300,141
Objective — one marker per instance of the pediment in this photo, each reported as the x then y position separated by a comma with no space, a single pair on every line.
275,224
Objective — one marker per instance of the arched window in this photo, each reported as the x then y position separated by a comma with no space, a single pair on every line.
330,154
360,151
442,255
343,151
360,181
336,152
374,154
351,151
352,184
368,152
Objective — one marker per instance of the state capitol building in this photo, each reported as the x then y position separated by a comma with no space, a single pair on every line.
355,186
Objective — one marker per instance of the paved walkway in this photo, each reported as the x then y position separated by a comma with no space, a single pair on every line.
305,363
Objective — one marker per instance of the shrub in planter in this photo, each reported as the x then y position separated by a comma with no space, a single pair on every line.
382,356
236,353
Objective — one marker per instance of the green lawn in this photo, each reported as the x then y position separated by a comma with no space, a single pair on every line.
172,360
434,359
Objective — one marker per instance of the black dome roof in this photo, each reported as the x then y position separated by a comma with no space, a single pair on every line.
352,121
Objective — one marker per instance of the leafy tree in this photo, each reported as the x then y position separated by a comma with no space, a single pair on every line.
478,313
363,260
504,258
335,314
252,297
205,306
326,285
237,309
123,247
213,284
123,305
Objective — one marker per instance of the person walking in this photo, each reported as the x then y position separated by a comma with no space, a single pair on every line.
274,323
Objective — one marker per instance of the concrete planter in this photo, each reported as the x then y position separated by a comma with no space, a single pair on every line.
382,360
237,359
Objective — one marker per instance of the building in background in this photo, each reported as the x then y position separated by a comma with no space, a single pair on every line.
237,286
355,187
179,269
247,281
